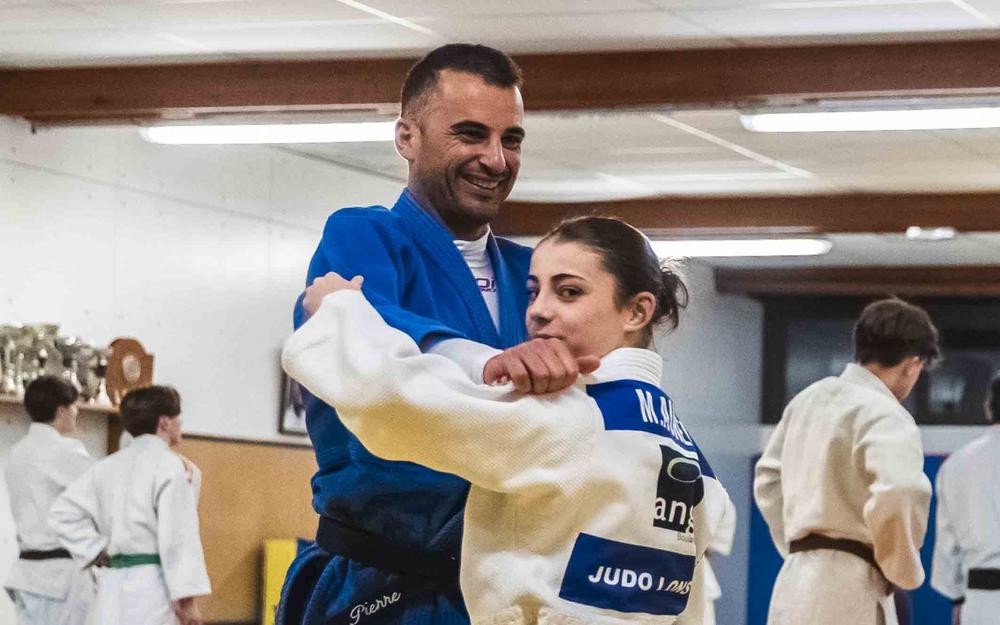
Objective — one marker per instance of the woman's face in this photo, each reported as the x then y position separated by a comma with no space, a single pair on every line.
571,297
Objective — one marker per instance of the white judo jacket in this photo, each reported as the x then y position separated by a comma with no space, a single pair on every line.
588,506
846,461
41,466
968,526
139,500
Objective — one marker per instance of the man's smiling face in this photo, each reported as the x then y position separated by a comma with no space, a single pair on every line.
464,148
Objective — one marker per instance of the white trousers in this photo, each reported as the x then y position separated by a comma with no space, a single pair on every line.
135,595
826,587
75,609
981,607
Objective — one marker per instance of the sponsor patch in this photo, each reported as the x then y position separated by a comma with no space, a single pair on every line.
628,578
678,490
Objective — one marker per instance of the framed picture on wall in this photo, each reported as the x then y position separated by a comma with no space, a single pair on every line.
292,414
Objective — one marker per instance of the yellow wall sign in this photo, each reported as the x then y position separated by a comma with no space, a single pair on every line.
278,556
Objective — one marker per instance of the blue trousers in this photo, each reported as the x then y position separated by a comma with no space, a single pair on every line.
325,589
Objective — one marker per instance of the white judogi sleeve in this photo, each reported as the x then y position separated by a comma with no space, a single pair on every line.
767,488
423,408
947,573
181,553
888,445
72,518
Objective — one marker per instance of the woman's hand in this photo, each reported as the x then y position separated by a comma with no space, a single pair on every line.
324,285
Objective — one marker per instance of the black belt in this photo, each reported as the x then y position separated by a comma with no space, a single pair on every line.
373,550
51,554
818,541
984,579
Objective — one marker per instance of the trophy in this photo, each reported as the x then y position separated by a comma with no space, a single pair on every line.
35,349
8,361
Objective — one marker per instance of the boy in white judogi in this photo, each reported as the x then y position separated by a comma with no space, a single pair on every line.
136,511
966,565
45,584
841,482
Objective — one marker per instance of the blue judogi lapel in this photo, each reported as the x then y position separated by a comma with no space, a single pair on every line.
432,236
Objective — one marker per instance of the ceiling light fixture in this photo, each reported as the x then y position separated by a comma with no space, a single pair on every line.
691,248
874,120
270,133
916,233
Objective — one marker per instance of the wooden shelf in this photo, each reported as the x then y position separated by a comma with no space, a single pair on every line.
84,406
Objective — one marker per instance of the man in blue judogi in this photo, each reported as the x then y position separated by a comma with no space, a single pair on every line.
389,535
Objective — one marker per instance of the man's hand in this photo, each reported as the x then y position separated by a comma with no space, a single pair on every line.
324,285
956,613
187,612
538,366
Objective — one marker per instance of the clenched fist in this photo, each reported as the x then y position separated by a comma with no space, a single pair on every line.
538,366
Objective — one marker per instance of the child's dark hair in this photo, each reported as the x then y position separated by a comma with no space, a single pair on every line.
627,255
45,395
891,330
142,408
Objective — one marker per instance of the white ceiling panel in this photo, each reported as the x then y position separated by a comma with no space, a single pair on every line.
225,14
34,18
564,33
465,8
27,3
756,21
59,48
338,37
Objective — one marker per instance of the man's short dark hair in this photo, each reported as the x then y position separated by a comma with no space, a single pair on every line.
493,66
891,330
142,408
46,394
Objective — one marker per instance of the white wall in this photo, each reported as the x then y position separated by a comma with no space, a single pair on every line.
713,373
199,252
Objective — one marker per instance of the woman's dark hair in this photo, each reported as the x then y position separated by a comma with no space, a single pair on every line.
891,330
627,255
142,408
493,66
45,395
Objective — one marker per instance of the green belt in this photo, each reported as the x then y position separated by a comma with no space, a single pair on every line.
126,560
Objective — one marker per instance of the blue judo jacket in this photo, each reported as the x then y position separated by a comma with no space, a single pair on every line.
419,283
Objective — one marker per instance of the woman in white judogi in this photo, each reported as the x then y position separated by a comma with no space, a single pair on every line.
966,566
45,584
136,512
589,506
841,482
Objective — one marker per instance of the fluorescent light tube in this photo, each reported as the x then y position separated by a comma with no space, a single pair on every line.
690,248
270,133
862,121
916,233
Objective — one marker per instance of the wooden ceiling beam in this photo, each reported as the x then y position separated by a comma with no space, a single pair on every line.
581,81
771,215
904,281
